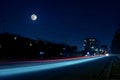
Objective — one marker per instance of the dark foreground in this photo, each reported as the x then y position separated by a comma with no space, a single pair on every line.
92,70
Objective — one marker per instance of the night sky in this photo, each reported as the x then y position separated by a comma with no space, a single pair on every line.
61,21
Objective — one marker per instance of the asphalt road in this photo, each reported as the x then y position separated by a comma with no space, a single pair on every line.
70,69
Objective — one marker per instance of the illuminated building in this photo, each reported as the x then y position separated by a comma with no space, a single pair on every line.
91,46
103,49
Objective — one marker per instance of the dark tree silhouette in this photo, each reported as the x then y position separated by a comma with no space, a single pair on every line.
115,45
17,47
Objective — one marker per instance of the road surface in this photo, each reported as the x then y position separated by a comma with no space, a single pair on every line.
93,68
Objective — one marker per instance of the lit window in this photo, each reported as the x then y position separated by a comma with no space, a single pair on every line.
41,53
30,44
85,41
84,44
90,39
61,53
88,53
96,49
92,47
15,38
93,39
64,48
105,51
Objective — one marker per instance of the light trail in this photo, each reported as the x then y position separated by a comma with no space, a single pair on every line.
63,59
27,69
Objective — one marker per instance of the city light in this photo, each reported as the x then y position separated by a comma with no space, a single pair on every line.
15,38
64,49
61,53
88,53
84,45
41,53
107,54
85,41
30,44
92,39
96,50
92,47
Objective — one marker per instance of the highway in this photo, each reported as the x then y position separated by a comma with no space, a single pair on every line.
79,68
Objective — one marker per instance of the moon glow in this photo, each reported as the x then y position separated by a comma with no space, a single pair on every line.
33,17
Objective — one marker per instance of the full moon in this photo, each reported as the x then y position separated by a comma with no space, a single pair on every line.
34,17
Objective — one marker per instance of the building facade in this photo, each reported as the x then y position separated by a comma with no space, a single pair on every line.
103,49
91,46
